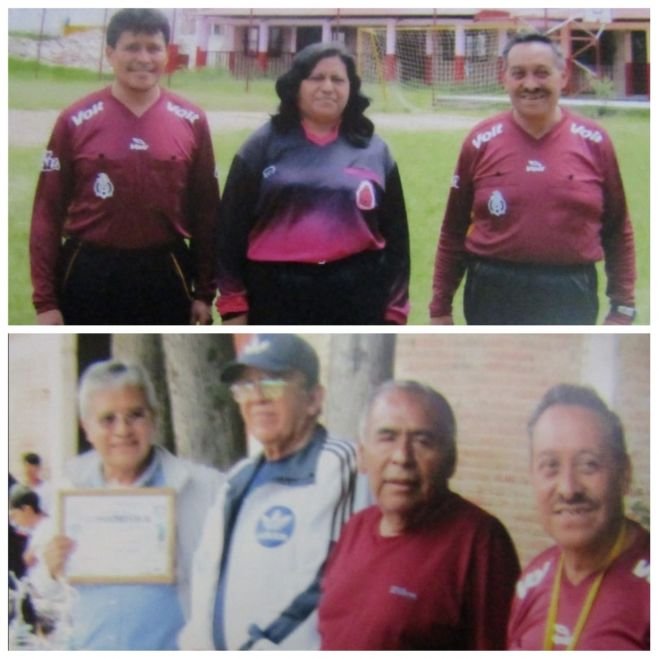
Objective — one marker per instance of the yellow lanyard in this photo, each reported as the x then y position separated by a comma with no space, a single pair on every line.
588,602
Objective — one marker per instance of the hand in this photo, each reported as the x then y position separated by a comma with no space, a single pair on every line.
442,320
236,320
201,314
52,317
55,554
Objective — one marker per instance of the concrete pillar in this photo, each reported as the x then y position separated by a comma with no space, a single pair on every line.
262,54
459,55
326,31
390,51
427,58
502,40
202,37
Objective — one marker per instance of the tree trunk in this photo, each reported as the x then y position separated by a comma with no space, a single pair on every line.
358,363
146,349
207,423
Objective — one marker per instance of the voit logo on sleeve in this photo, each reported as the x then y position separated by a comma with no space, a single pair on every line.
275,526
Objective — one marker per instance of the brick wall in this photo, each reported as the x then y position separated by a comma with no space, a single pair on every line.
493,383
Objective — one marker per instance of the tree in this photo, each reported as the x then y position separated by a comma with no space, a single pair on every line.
206,421
358,363
146,349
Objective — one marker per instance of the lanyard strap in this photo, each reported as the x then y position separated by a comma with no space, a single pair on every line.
588,602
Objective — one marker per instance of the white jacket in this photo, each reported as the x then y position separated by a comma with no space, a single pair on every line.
276,538
196,488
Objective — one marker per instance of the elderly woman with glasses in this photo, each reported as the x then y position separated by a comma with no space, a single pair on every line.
118,412
313,227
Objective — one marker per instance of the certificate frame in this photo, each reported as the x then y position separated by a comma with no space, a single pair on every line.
121,536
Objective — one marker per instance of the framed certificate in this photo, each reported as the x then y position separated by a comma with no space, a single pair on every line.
121,536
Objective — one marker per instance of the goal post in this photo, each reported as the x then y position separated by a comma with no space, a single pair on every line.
427,64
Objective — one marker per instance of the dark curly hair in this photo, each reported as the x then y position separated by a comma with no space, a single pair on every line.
355,126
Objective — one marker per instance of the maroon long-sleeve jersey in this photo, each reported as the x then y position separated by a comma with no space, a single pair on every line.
557,200
117,180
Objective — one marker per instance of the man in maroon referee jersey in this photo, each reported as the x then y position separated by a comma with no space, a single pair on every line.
536,200
122,225
591,590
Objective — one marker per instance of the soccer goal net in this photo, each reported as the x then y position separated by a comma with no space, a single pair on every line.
425,67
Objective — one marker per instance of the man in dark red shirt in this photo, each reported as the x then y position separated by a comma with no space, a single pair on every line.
128,181
424,569
590,591
537,199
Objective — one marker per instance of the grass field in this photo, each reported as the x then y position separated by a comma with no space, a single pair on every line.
426,160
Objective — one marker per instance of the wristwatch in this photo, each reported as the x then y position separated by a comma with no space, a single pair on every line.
624,309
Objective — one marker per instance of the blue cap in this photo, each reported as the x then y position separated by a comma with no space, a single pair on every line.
276,353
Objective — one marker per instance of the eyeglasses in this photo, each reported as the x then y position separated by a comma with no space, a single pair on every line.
134,417
270,388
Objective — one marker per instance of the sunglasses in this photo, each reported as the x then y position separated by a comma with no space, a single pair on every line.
269,388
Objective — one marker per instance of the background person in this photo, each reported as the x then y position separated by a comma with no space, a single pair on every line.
423,569
313,227
127,178
591,590
256,573
118,412
537,199
26,515
33,478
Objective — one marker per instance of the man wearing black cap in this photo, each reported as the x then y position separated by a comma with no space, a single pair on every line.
255,582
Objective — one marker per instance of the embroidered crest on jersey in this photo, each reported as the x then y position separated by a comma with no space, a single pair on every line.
497,204
103,186
586,133
138,144
365,196
50,162
535,166
275,526
182,113
269,171
87,113
483,138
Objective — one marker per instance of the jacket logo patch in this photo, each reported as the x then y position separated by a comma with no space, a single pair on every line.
269,171
365,196
497,204
103,186
275,526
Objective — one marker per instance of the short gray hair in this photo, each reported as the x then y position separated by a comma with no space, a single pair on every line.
533,37
588,398
114,374
445,424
